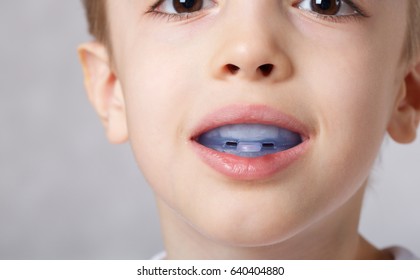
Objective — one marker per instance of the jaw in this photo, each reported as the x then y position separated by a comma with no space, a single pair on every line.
334,236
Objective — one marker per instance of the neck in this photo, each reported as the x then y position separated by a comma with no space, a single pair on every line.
334,237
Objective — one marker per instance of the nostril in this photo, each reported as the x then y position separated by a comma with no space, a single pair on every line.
233,69
266,69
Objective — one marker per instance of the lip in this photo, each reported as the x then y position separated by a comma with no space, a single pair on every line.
240,168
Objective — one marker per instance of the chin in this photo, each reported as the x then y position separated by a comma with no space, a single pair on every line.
247,233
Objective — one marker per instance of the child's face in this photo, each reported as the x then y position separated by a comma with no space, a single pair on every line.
340,78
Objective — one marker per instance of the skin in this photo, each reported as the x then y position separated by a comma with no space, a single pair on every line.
344,80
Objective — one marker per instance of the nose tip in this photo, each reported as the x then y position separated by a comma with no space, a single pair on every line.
251,60
256,50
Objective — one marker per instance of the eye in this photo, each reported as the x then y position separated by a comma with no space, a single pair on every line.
338,8
182,6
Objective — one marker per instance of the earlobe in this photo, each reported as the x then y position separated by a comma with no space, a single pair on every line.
104,90
406,116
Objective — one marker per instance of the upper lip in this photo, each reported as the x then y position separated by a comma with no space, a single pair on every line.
237,114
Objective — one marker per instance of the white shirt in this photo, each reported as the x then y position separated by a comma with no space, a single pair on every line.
399,253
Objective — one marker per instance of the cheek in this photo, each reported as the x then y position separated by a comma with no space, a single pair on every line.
352,97
159,98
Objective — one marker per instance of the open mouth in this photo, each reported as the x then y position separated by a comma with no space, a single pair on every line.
249,140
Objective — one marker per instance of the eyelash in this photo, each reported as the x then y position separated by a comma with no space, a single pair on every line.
170,17
331,18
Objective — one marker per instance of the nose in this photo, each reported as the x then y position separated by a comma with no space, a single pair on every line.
253,51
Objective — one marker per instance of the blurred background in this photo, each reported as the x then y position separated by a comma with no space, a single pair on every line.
65,193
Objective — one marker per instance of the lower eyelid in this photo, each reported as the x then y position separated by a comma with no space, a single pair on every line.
327,20
341,19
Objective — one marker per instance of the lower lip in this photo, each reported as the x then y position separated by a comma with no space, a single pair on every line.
248,169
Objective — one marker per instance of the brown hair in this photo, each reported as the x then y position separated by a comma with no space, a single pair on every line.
99,26
413,36
97,20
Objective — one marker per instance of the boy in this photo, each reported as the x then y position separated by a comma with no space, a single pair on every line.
256,123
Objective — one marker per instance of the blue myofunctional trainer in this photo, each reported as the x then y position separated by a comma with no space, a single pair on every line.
250,140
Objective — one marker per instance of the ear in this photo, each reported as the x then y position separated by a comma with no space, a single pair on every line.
104,90
406,115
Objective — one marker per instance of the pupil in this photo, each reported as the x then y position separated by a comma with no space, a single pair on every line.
187,6
326,7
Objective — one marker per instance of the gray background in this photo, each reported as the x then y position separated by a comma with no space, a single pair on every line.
65,193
